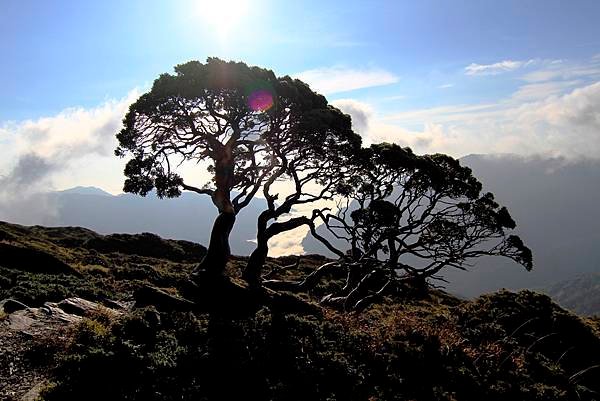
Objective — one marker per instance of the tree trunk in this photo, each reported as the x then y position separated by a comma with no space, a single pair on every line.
255,264
252,272
258,257
218,252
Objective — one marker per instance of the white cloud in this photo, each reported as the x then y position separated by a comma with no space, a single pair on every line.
564,71
330,80
288,242
71,134
496,68
577,110
74,147
361,113
446,86
442,113
565,125
393,98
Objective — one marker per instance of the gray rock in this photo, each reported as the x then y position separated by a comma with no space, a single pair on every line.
33,393
118,305
23,328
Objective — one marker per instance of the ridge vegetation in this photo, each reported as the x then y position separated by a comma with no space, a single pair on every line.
415,346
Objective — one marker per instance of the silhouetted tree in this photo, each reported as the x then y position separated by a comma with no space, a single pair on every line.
251,128
406,217
316,163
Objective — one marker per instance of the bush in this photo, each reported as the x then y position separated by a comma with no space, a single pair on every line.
416,351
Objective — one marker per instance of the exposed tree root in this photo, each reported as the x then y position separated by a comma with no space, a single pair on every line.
364,285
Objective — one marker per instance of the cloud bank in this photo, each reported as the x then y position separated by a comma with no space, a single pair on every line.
565,125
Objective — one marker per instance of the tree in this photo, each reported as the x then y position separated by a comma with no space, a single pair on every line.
406,217
315,164
243,121
401,216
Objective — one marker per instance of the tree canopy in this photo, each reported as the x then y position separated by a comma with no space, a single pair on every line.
252,127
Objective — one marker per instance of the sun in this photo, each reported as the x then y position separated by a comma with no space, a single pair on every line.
222,15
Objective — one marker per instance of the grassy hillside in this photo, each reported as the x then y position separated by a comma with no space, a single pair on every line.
502,346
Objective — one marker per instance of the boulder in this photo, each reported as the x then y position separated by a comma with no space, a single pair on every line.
78,306
23,329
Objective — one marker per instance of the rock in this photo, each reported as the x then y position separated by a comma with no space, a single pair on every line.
34,392
11,305
39,319
22,330
117,305
78,306
53,315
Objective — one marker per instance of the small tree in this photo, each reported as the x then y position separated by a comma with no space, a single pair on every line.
407,217
241,120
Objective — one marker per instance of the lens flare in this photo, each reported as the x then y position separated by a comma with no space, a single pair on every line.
260,100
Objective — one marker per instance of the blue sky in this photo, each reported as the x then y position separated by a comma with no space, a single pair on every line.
479,76
70,53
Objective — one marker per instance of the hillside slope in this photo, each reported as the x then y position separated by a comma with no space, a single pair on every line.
499,346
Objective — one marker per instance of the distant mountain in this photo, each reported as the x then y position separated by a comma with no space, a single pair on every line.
85,191
581,294
555,203
188,217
